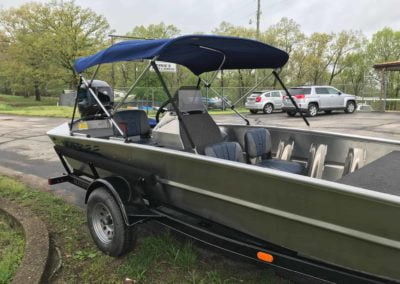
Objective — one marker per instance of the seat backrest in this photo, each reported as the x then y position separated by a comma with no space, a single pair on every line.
190,100
257,143
202,129
226,150
132,122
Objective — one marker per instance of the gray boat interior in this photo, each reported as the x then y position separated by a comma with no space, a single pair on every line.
344,159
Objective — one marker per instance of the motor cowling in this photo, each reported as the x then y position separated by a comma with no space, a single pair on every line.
87,104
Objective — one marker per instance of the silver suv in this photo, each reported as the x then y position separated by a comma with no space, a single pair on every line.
312,99
266,101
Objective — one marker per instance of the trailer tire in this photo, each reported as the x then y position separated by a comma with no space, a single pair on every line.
106,224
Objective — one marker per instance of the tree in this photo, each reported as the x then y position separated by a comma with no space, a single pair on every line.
27,55
316,61
160,30
343,43
74,32
383,47
46,39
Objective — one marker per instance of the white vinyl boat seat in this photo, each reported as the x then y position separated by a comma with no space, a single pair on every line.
134,124
226,150
258,148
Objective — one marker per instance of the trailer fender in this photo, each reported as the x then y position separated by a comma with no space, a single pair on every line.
120,189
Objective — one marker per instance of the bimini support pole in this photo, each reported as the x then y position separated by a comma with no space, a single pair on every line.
173,103
132,87
208,85
75,105
94,74
290,97
252,89
102,106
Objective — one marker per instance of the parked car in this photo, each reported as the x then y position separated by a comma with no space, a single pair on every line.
313,99
265,101
216,102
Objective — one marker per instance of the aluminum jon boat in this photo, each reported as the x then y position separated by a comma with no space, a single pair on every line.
321,204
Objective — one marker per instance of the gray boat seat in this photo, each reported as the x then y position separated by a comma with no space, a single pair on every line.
202,128
134,124
226,150
258,148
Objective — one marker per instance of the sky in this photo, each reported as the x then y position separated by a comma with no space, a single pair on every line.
192,16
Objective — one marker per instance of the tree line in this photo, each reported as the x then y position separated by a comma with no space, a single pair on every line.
40,42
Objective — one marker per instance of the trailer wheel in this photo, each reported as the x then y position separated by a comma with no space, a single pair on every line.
106,224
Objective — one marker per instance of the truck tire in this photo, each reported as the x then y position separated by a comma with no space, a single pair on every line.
253,111
350,107
107,225
312,110
268,108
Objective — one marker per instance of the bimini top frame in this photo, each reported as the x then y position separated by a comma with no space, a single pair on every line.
199,53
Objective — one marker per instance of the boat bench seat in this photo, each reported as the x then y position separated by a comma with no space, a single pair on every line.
258,148
282,165
134,123
225,150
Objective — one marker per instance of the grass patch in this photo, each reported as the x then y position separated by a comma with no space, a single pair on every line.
12,245
20,101
18,105
157,258
227,111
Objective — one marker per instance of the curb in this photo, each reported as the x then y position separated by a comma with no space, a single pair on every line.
33,265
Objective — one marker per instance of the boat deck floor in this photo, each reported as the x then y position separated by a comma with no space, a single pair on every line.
381,175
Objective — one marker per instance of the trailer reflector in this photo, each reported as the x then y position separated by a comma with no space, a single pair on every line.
265,256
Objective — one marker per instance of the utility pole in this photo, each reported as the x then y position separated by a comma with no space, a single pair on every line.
258,20
257,33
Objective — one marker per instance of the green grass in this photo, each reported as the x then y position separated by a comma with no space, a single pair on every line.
158,257
228,111
12,244
18,105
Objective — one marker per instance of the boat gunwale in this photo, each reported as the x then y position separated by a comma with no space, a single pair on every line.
316,184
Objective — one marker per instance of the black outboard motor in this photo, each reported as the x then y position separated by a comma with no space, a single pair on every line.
88,106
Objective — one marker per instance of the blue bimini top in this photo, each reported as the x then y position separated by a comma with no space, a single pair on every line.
196,52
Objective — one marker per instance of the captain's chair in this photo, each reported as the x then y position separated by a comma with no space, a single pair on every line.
202,128
258,149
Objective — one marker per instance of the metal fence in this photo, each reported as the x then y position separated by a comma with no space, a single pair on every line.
152,97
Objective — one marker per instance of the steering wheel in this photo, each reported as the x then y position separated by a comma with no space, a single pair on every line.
161,110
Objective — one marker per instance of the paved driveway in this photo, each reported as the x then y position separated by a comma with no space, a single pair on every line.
24,146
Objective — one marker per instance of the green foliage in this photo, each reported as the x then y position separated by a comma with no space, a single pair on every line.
159,258
39,43
42,42
152,31
12,245
19,105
